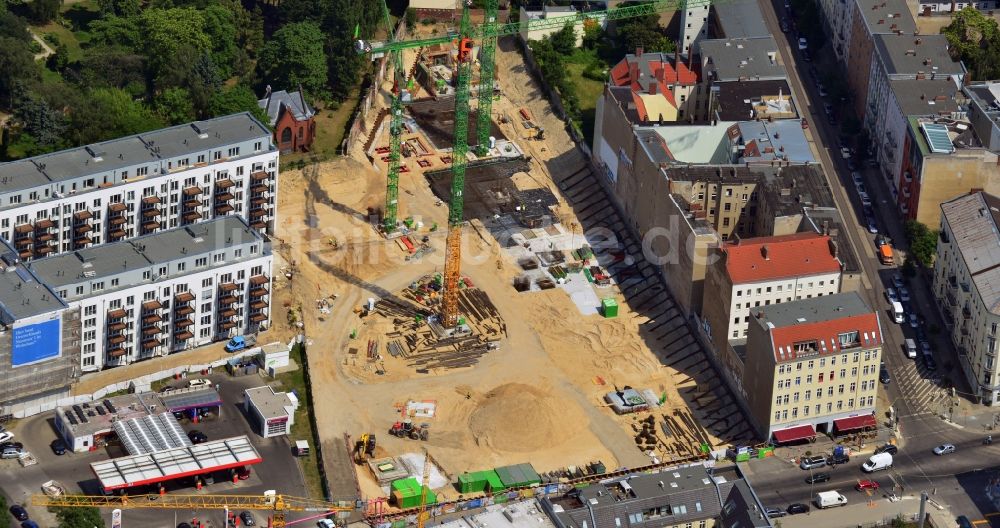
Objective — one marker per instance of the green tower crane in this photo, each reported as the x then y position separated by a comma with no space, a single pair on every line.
487,52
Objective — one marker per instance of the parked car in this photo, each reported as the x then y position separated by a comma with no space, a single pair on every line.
197,437
921,334
325,523
963,522
15,445
58,447
803,43
904,294
867,485
774,513
929,362
6,436
806,56
785,28
797,508
11,452
887,448
944,449
865,199
199,383
925,348
247,519
817,478
897,280
805,124
857,178
19,512
29,524
167,389
890,293
242,472
812,462
914,322
872,226
883,375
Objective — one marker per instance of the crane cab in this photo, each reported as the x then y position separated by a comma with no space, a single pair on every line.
464,49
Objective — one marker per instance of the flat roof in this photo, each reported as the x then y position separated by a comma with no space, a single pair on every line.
974,220
269,404
22,293
151,433
739,100
733,59
522,514
925,96
191,398
170,464
887,16
781,139
741,18
686,143
914,54
144,252
123,152
124,407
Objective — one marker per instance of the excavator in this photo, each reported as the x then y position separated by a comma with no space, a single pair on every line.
364,448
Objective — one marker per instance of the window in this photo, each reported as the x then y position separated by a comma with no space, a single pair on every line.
808,395
829,391
206,319
201,262
206,307
850,403
853,387
840,389
795,397
820,377
854,372
822,362
798,380
809,379
843,373
90,310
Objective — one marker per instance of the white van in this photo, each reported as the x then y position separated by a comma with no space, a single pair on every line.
829,499
911,348
897,312
877,462
199,383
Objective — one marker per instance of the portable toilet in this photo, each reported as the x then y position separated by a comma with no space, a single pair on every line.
609,308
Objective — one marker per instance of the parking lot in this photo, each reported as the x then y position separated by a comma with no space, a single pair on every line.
73,469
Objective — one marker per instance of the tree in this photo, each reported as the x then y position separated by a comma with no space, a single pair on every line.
235,100
923,242
113,68
975,39
57,61
107,113
164,31
592,34
174,106
411,18
294,56
220,27
120,8
43,11
16,64
37,119
13,26
78,517
5,522
645,33
564,40
117,32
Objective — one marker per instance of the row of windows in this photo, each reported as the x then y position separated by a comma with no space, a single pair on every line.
807,395
201,262
783,415
789,287
810,364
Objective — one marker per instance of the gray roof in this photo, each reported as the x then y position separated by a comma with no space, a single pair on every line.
269,404
974,220
20,175
925,96
815,310
784,137
143,252
741,19
914,54
887,16
741,58
736,98
22,294
293,102
127,151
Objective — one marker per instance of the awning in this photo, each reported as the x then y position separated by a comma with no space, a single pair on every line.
799,432
854,423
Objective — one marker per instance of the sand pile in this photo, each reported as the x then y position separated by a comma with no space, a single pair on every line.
518,417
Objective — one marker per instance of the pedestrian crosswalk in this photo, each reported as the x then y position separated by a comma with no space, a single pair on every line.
921,388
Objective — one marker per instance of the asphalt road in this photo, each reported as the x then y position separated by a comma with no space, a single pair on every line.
916,393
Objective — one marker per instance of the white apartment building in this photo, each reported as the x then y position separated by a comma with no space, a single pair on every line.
138,185
164,292
694,25
967,287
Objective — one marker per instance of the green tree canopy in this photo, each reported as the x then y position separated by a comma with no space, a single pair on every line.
923,242
564,40
37,119
107,113
43,11
975,39
16,64
295,56
78,517
174,106
220,27
106,67
120,8
234,100
164,31
116,32
13,26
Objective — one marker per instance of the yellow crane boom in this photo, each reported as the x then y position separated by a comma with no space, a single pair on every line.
278,504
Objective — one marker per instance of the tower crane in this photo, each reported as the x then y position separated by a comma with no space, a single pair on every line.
277,504
487,34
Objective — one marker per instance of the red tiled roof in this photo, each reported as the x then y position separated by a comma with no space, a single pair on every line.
768,258
626,72
784,338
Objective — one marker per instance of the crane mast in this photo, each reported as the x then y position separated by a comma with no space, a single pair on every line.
487,53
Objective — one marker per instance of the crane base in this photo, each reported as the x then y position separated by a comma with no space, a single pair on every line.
460,330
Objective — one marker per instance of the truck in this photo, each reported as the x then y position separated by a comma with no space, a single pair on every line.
877,462
911,348
885,255
240,343
830,499
897,312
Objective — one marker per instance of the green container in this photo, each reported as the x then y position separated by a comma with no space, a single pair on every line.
407,493
517,476
472,482
493,483
609,307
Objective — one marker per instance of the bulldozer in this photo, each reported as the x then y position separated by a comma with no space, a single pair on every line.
364,448
406,429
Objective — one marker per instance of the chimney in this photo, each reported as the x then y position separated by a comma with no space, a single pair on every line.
652,88
302,99
834,250
763,252
917,42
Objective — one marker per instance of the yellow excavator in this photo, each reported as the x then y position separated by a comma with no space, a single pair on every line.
364,448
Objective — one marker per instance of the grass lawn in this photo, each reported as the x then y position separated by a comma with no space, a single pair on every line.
78,15
302,429
587,90
331,126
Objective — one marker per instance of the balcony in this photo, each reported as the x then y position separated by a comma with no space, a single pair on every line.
184,297
81,241
259,213
227,313
151,319
260,200
151,305
117,234
258,280
192,203
82,216
224,183
259,189
150,343
183,336
23,229
950,295
258,305
116,340
152,331
226,300
228,286
117,221
41,251
117,208
966,313
116,352
191,216
227,325
223,209
150,200
224,197
259,176
192,191
83,228
258,292
117,314
116,327
184,310
151,212
258,225
258,317
45,237
182,323
151,225
22,242
25,254
44,224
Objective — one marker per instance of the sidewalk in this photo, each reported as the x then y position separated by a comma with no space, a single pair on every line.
861,514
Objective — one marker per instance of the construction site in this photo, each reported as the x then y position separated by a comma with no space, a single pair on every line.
559,346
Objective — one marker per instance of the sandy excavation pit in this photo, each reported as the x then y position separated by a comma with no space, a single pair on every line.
520,418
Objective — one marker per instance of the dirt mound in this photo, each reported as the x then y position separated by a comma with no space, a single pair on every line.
518,417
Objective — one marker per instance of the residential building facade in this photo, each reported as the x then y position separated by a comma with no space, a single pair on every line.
755,273
291,118
139,185
966,279
812,366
